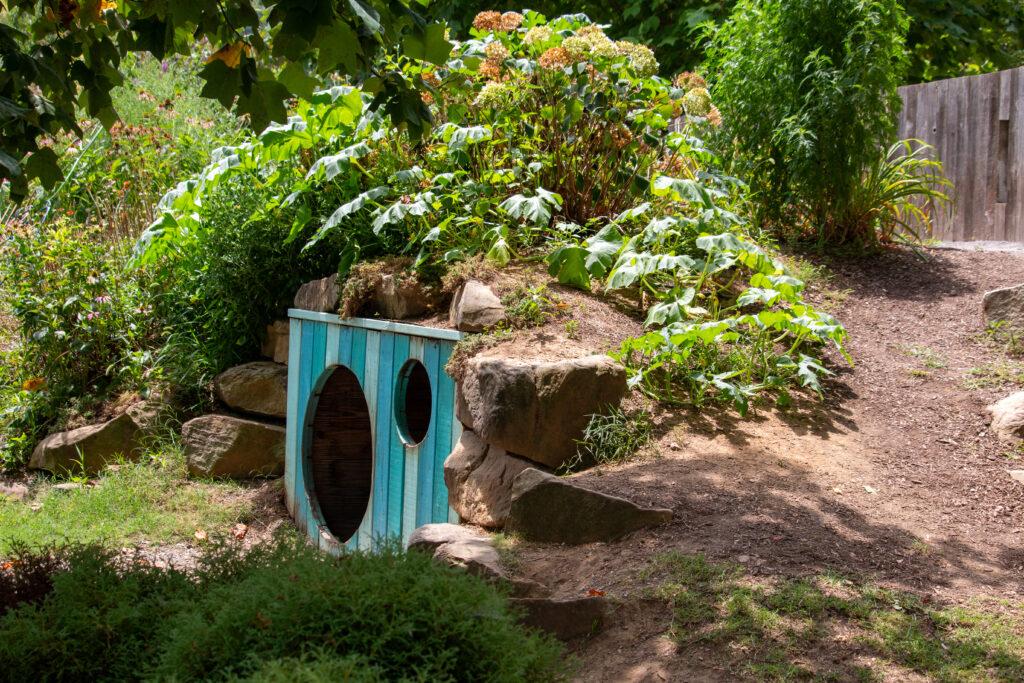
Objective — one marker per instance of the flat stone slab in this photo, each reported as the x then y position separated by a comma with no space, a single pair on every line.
550,509
13,491
430,536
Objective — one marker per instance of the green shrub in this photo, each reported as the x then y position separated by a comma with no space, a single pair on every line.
84,328
614,436
807,91
386,616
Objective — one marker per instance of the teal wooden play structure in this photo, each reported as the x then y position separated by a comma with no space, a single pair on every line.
370,423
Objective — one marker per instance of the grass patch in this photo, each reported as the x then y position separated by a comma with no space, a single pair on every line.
830,628
994,376
151,500
280,612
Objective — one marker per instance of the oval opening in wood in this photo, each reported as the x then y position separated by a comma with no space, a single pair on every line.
413,400
341,453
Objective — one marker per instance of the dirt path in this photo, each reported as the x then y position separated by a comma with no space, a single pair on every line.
894,478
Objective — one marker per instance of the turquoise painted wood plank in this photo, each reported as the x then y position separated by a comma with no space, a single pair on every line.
294,433
456,434
305,385
384,361
367,344
428,455
412,463
316,363
445,416
378,325
397,451
332,351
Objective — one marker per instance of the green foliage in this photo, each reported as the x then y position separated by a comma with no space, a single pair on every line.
808,93
531,306
386,616
70,55
578,156
84,328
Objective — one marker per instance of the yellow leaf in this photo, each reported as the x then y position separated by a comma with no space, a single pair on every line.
239,530
200,536
229,54
33,384
870,490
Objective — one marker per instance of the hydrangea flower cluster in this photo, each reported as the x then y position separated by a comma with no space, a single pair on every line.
492,95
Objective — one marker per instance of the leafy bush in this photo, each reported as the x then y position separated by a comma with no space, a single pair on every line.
808,93
551,141
84,327
386,616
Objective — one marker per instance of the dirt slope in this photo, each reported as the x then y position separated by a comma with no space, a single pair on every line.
894,477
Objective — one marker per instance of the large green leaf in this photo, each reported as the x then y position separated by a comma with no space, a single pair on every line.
569,264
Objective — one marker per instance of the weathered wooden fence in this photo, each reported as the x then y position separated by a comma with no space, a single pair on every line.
976,124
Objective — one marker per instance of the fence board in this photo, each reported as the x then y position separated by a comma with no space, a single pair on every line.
984,158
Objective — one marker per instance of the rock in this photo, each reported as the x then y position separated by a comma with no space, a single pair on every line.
321,296
260,388
1017,475
275,341
429,536
475,308
550,509
398,298
1004,304
479,480
564,618
537,409
149,415
13,491
89,447
68,486
1008,418
226,446
477,556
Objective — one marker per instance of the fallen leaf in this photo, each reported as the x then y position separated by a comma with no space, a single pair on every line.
113,468
239,530
33,384
836,490
262,621
200,536
595,593
870,490
9,566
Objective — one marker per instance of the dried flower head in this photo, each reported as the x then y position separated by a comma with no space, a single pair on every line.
538,34
689,80
625,47
621,137
714,117
577,47
431,78
591,33
555,58
492,95
496,52
510,21
427,98
490,69
697,102
487,21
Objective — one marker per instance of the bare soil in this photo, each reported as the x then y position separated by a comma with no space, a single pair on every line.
893,478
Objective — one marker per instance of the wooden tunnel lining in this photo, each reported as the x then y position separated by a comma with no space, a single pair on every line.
341,454
413,403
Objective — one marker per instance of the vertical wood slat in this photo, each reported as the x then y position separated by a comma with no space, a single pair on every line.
396,466
960,118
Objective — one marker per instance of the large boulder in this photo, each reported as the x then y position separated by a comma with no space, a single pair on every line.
260,388
275,341
1008,418
537,409
397,297
479,480
1004,304
321,296
564,618
475,308
227,446
551,509
89,448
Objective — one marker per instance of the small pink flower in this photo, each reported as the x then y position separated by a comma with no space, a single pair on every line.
102,299
91,315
